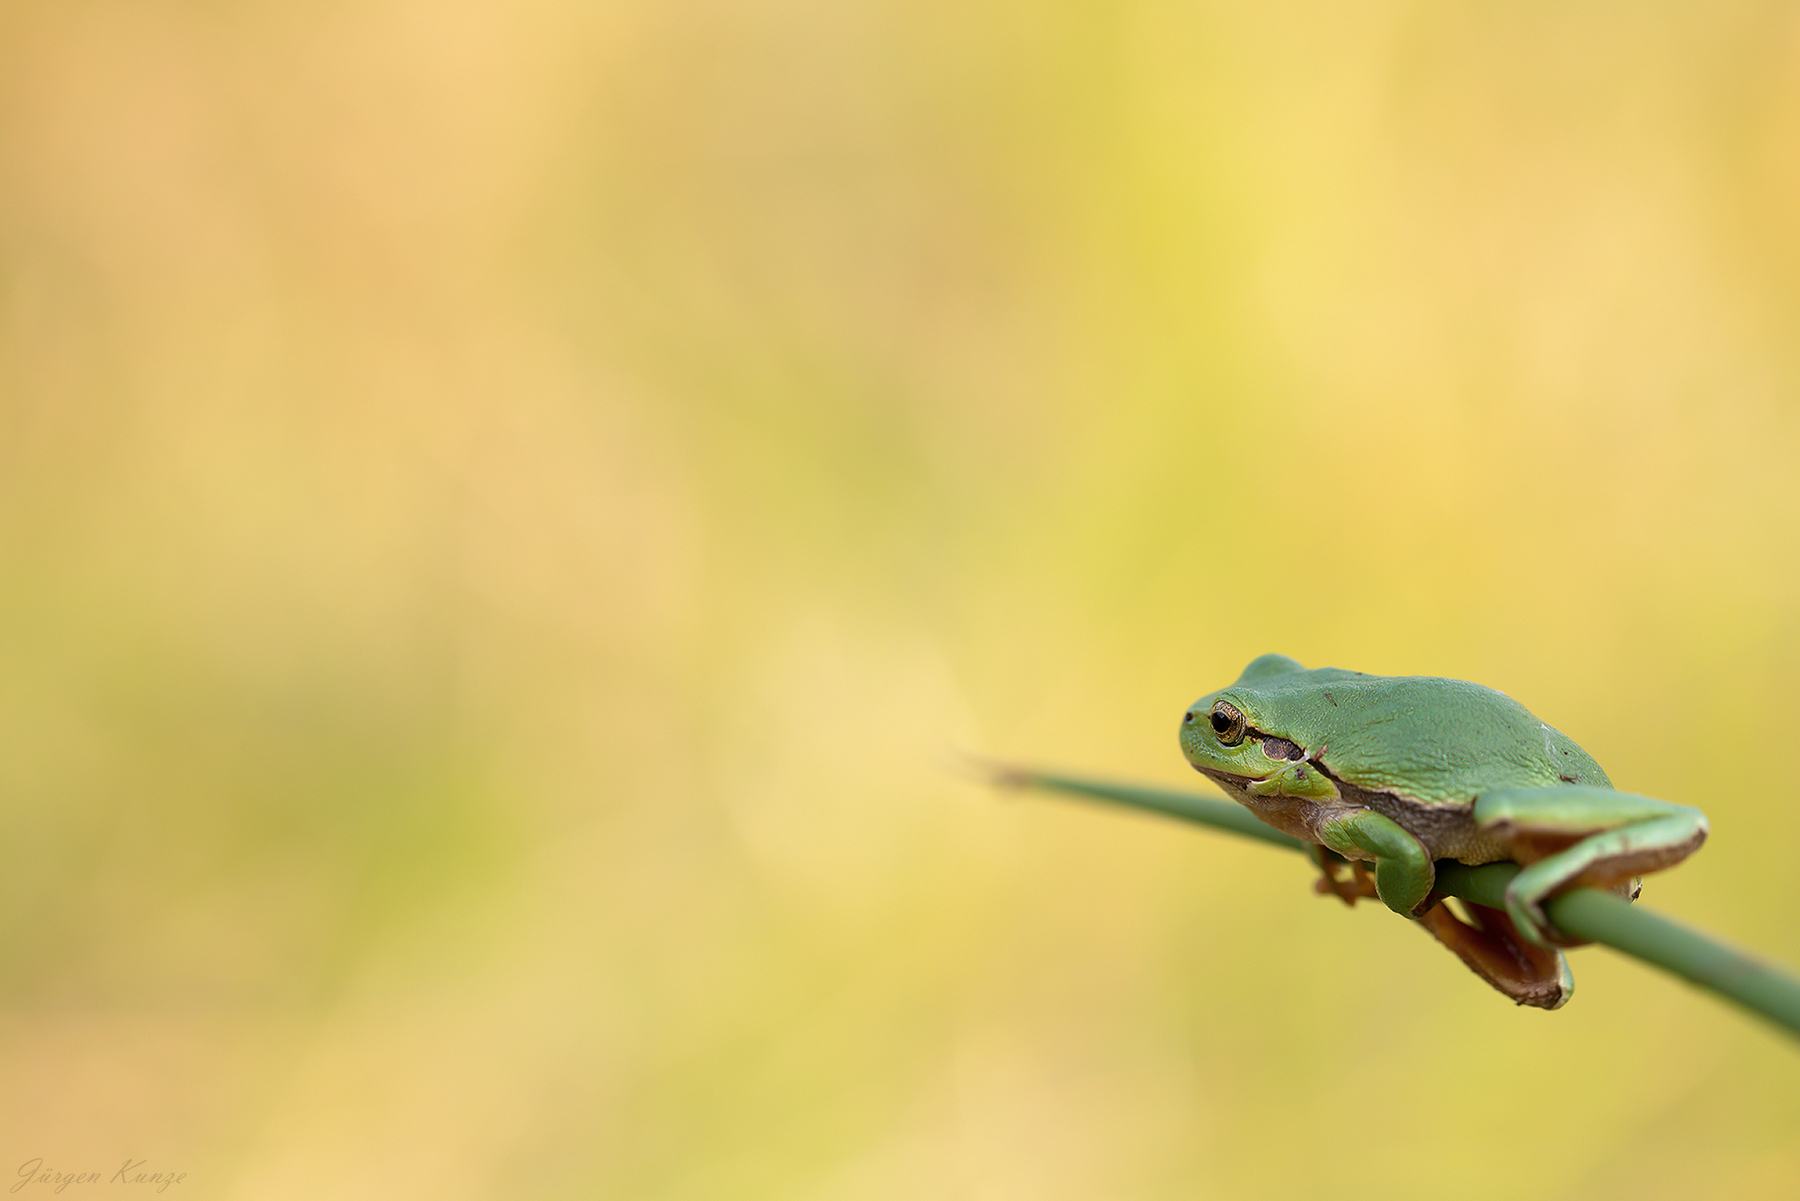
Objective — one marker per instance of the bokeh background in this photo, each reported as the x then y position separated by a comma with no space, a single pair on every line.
509,514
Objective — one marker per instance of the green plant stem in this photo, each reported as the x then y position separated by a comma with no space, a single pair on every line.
1584,913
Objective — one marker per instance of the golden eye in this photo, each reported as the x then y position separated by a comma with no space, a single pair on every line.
1227,723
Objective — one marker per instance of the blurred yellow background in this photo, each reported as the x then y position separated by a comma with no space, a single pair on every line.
509,513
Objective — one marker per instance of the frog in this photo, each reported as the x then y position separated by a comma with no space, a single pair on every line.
1382,776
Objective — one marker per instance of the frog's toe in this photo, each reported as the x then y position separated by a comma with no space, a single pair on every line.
1534,925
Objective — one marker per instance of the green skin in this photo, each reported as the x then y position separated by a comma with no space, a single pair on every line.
1398,772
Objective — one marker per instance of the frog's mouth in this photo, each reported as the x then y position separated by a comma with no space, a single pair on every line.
1231,782
1280,752
1234,785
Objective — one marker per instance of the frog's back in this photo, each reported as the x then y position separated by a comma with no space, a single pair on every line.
1436,740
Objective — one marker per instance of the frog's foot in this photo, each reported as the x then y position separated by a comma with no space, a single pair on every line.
1331,883
1494,950
1578,836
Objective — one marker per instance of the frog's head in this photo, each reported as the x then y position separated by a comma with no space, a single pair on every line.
1245,733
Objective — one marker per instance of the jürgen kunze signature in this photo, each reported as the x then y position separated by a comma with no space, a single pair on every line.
33,1171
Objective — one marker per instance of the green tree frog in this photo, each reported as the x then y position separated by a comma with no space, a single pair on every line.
1393,773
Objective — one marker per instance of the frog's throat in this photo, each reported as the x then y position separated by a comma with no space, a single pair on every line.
1296,816
1239,786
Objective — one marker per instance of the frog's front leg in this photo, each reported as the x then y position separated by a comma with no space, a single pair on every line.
1404,872
1577,835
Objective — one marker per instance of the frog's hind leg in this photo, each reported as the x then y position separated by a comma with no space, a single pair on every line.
1494,950
1576,835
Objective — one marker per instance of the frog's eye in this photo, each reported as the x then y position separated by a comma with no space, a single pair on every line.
1227,723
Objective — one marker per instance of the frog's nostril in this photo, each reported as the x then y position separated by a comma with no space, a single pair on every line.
1187,717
